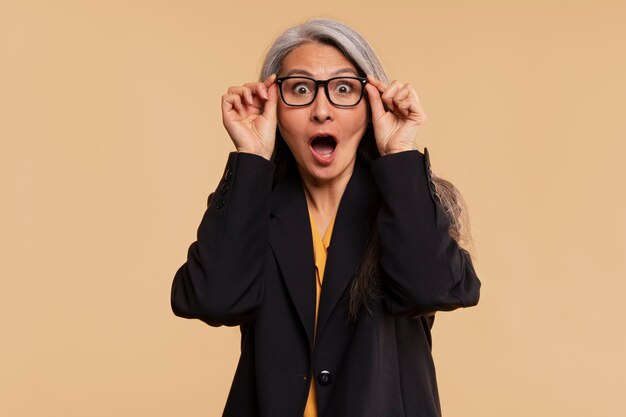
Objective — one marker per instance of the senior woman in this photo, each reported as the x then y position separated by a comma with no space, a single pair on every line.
328,239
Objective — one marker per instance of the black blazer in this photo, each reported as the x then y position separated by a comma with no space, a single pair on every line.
252,266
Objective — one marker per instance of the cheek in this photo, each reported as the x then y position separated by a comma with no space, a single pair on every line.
358,121
365,114
289,121
289,126
285,130
359,114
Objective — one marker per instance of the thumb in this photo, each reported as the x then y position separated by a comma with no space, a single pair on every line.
376,104
269,108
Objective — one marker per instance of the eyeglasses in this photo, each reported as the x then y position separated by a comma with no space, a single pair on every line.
340,91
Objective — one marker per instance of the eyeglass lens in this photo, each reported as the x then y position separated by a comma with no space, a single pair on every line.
302,91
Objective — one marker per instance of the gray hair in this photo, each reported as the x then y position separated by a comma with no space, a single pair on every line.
328,32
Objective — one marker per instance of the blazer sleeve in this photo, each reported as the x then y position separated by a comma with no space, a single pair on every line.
424,270
220,283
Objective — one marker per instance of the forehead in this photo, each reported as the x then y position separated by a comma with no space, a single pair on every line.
317,60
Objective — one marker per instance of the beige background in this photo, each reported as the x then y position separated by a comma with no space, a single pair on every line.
111,140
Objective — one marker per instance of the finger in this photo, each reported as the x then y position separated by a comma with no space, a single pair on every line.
237,103
380,85
390,92
227,104
247,93
407,92
234,100
411,92
401,104
418,113
242,91
412,110
401,95
234,89
416,109
262,91
269,108
269,80
405,107
419,109
268,83
258,89
376,104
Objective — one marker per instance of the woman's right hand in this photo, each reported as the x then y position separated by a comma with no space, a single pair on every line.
249,116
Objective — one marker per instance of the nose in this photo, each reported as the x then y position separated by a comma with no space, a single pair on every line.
321,108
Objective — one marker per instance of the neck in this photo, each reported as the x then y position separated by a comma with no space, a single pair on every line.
323,197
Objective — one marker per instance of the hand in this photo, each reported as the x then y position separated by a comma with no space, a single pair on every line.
249,116
395,129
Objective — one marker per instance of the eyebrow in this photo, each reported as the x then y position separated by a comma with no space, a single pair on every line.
299,71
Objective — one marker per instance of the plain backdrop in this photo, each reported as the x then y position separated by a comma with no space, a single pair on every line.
111,140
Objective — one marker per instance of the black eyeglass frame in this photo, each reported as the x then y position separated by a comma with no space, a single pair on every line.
280,80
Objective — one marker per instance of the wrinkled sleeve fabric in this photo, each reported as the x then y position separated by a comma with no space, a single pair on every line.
221,282
424,270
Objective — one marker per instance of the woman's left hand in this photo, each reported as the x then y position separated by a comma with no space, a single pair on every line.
395,129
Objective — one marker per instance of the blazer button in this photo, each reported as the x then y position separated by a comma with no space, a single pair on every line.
220,204
228,174
325,378
225,189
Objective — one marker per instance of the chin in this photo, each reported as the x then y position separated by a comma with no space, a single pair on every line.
326,173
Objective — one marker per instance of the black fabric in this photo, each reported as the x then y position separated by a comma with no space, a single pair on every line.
252,265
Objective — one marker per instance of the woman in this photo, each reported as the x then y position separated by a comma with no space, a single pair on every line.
328,240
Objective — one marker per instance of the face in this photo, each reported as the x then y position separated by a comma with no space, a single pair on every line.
322,137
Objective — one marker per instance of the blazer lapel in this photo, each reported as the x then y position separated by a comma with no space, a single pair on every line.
348,240
290,239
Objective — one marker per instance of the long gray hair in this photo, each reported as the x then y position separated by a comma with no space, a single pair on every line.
359,52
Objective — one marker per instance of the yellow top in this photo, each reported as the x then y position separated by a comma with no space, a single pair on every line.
320,249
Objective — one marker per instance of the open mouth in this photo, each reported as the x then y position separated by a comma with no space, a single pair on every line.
323,148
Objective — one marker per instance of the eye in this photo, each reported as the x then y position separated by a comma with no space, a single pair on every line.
344,88
301,89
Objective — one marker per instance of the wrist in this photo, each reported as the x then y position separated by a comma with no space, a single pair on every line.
391,151
263,154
